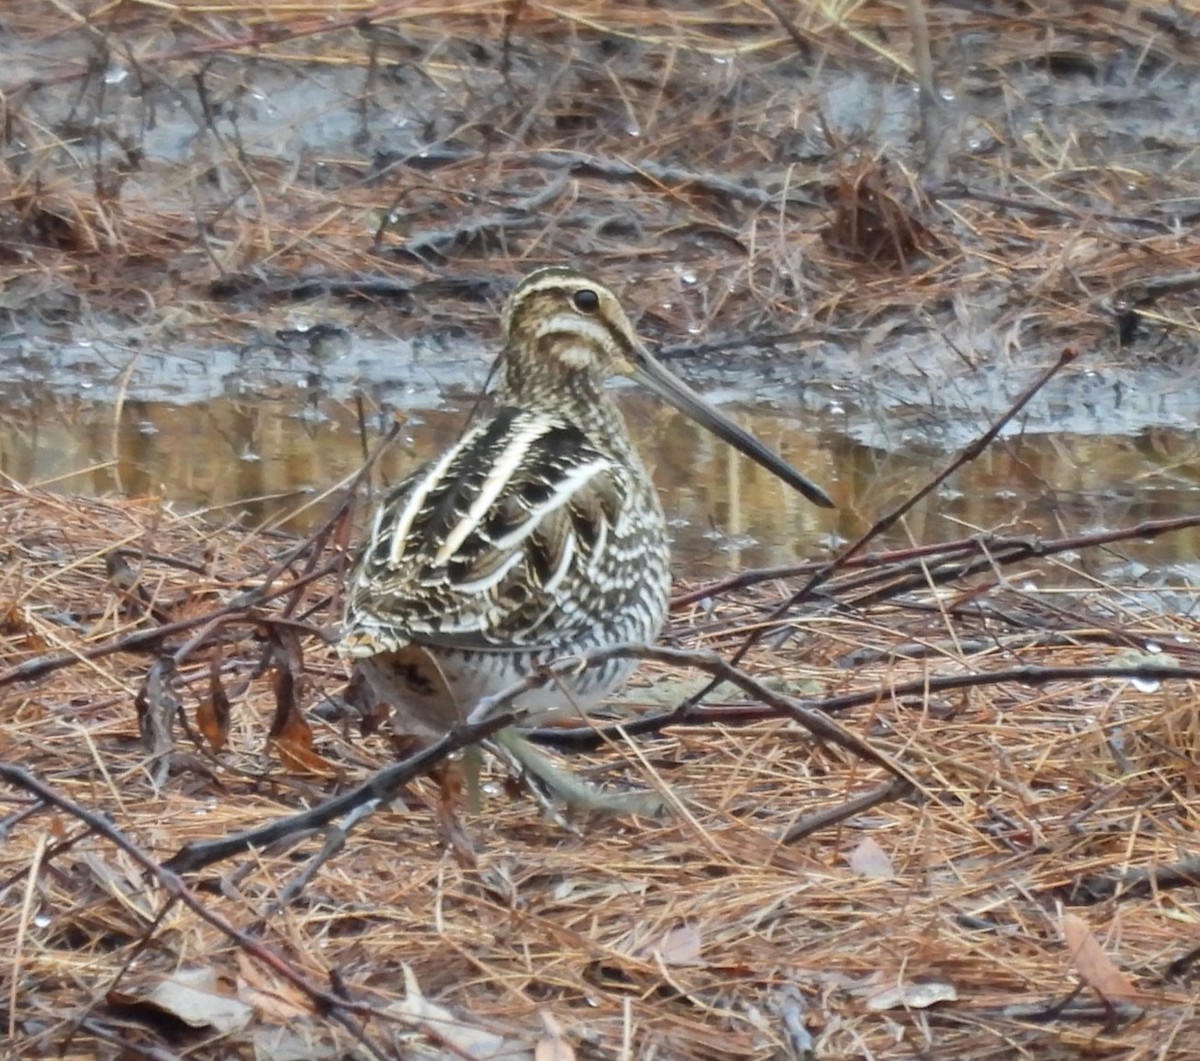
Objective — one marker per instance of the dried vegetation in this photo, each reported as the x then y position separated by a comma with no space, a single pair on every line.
1006,869
193,164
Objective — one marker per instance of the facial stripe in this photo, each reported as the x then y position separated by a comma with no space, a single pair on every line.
592,330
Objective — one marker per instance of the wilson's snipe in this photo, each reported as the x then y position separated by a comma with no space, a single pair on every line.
537,536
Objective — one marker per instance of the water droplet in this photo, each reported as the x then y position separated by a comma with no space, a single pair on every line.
633,130
114,75
694,329
41,920
146,428
687,277
665,305
1146,685
1152,647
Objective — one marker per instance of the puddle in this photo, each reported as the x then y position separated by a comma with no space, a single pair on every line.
259,437
153,337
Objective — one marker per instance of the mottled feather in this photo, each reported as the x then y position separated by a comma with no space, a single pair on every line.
538,535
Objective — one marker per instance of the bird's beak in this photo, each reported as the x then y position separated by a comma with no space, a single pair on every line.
651,375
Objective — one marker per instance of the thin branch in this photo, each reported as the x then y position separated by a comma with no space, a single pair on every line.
327,1002
886,521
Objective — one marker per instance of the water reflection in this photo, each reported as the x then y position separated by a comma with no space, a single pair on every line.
261,461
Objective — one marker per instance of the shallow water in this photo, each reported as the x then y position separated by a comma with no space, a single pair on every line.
270,460
149,402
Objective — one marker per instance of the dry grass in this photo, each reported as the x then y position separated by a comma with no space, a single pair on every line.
699,935
235,160
678,145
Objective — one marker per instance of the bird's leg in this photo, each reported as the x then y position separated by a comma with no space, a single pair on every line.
568,789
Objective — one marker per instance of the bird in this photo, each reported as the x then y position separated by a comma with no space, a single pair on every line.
536,537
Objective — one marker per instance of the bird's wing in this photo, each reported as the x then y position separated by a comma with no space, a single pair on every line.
497,544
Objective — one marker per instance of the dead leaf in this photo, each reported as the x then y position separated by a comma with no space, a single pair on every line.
274,999
1095,967
190,996
868,859
678,946
444,1028
912,996
156,706
554,1046
292,1044
15,623
290,732
303,760
212,716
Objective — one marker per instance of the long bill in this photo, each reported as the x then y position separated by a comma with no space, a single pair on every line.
651,375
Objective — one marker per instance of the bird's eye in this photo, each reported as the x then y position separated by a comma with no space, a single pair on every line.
586,301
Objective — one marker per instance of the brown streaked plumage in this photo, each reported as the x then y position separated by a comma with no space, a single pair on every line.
537,536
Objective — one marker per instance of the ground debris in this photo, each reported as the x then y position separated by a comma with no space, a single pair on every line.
1046,779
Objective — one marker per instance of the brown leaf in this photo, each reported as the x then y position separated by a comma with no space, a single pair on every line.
459,1036
212,716
274,999
190,996
302,759
1095,967
15,623
289,726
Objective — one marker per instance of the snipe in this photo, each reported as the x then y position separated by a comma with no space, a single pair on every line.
537,536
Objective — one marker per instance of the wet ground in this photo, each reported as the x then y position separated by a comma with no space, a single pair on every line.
217,248
265,454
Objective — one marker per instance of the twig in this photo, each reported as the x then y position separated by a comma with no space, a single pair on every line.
327,1002
689,714
894,789
379,788
778,704
521,214
144,640
789,27
1003,549
952,190
1131,883
965,456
